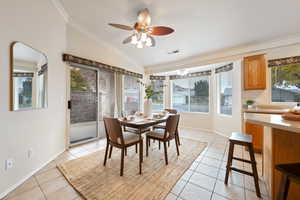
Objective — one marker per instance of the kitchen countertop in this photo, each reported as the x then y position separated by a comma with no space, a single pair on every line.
273,120
265,110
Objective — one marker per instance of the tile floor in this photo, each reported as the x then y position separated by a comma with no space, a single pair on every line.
204,180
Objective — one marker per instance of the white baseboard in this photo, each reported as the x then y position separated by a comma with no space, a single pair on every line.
6,192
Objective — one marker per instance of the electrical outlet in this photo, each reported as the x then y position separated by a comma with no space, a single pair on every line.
30,153
9,163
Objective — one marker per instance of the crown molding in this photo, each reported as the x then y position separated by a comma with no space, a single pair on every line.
225,54
61,9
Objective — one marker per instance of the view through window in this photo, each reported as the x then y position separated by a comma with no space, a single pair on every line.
191,94
285,82
225,92
131,95
158,98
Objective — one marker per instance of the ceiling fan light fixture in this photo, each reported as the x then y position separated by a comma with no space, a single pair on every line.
139,45
148,42
134,39
144,37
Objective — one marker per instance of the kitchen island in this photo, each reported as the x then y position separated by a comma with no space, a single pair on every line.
281,144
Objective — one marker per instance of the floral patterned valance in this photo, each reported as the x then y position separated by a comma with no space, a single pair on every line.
224,68
284,61
191,75
152,77
83,61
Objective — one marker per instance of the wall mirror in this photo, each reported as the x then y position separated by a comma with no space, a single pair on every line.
29,78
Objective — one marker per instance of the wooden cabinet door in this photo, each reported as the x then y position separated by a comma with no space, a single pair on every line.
255,72
257,132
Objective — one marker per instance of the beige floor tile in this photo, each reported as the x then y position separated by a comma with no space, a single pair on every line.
171,197
249,184
49,166
82,153
207,170
54,185
234,178
218,197
214,155
178,187
77,149
187,175
250,195
194,165
211,162
203,181
33,194
26,186
230,191
48,175
193,192
65,193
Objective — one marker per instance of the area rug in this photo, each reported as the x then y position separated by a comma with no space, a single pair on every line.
93,181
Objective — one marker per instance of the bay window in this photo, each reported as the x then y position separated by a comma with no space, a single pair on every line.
191,94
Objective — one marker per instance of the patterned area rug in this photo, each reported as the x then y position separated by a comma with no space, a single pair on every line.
94,181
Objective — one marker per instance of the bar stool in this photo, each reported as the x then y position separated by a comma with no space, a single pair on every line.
244,140
290,172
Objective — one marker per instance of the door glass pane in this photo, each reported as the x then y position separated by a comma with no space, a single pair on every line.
225,93
158,98
84,104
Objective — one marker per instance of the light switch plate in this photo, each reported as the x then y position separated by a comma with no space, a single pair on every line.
9,163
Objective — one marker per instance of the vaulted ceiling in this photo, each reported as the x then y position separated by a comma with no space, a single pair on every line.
201,26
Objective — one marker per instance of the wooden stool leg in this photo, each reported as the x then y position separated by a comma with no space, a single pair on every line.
125,151
284,188
229,161
136,148
159,145
254,170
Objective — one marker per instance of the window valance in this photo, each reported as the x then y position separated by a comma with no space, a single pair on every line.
284,61
191,75
23,74
224,68
157,77
82,61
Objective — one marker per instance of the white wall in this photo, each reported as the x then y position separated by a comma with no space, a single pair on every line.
38,24
83,45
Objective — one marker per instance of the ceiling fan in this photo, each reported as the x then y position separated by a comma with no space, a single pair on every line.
142,33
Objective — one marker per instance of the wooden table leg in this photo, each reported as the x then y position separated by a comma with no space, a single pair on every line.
142,155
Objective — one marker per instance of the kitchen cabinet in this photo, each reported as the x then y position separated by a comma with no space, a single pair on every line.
257,132
255,72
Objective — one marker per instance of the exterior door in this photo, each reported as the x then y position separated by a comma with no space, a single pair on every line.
83,105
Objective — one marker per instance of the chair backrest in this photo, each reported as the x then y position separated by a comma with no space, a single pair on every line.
171,125
172,111
113,130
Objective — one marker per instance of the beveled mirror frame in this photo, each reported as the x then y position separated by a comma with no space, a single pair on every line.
11,78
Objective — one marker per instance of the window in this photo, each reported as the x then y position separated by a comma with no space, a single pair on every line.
225,92
285,82
158,98
131,95
191,94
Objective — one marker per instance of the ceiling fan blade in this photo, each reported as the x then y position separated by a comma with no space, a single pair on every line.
161,30
127,40
120,26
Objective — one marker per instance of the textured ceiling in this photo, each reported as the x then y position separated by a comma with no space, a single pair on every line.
201,26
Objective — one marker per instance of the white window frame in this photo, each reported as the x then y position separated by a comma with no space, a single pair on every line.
164,97
189,102
218,90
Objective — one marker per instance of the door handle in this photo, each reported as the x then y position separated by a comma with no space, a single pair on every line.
69,104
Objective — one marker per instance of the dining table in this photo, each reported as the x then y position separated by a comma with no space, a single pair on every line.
141,123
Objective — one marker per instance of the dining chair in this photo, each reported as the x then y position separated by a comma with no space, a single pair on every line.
163,125
122,140
165,135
